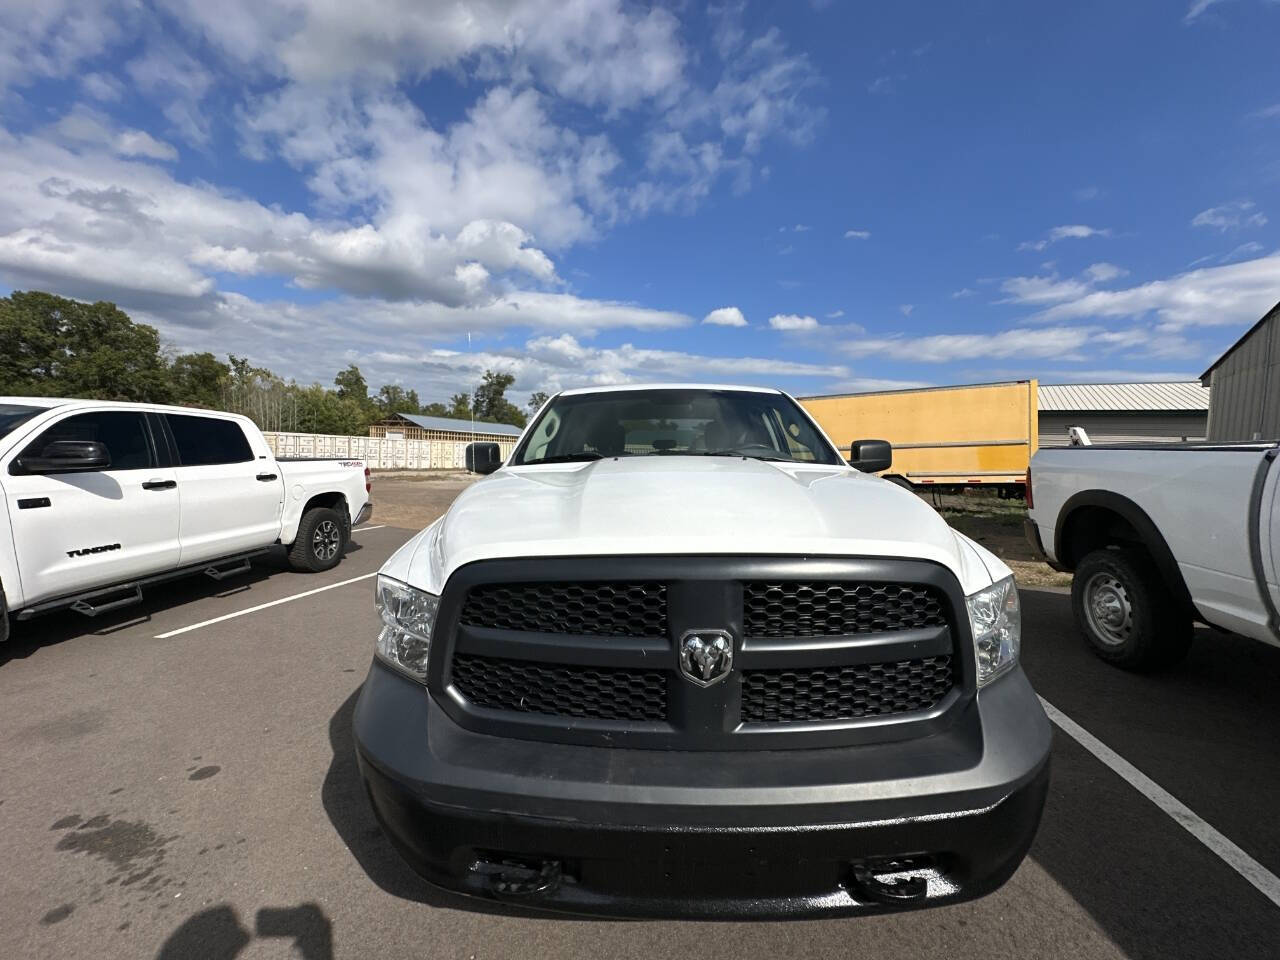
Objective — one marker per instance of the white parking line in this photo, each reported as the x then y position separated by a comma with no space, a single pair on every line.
1239,861
376,526
263,606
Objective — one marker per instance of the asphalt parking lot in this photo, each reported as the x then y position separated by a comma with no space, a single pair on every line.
177,788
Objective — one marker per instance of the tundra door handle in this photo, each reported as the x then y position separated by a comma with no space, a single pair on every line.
266,477
159,484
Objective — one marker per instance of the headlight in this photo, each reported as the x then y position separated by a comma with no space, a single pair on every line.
408,616
996,620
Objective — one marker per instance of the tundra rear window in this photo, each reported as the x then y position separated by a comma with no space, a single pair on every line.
640,423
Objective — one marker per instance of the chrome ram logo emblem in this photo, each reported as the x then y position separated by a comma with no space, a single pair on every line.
706,656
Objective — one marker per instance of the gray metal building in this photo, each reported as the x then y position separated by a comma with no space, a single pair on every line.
1124,412
1245,385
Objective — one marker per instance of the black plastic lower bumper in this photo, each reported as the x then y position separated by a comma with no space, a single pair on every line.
662,844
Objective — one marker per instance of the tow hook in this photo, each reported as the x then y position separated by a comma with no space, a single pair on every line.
510,878
883,890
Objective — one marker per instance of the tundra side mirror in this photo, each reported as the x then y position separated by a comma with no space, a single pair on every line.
870,456
67,456
483,458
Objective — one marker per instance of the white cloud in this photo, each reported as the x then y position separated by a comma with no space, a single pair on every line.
1267,113
1084,194
1061,342
857,234
906,308
1244,250
963,292
881,85
835,314
798,228
1103,272
102,86
1074,231
792,321
1237,293
1198,7
1236,215
726,317
86,126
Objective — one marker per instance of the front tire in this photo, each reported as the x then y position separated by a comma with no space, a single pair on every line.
322,539
1127,612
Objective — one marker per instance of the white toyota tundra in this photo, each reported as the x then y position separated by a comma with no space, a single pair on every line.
676,657
104,499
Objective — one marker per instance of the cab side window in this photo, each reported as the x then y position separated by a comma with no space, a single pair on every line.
203,441
125,435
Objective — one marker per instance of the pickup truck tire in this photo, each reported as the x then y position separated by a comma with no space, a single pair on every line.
4,617
1127,612
322,539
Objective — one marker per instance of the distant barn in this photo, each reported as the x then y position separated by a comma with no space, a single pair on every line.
1124,412
1245,383
412,426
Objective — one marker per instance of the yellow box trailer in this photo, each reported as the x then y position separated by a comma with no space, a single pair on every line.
978,434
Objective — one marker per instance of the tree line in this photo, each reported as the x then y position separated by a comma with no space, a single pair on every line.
59,347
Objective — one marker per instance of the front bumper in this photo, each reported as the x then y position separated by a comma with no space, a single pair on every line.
756,834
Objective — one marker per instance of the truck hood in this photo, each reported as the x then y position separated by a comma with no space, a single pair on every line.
686,505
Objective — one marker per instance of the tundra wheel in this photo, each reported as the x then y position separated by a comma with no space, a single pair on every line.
322,538
1127,612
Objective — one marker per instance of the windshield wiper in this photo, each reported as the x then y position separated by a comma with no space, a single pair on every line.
747,456
564,458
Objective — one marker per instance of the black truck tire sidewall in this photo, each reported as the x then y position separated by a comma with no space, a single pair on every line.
1159,631
304,555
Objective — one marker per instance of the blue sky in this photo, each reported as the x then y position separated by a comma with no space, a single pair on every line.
821,196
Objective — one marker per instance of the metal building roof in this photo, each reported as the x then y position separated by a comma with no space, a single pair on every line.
1183,396
461,426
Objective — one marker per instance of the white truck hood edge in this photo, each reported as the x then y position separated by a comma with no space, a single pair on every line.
684,506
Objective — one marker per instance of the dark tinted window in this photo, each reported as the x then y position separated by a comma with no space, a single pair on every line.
14,415
125,436
203,440
666,422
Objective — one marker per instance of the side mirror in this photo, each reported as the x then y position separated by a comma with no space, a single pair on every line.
870,456
68,456
483,458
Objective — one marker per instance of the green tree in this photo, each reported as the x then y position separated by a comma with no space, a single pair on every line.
393,398
351,383
536,400
199,379
491,403
53,346
459,406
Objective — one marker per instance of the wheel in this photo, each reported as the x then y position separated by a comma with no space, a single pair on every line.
4,617
1127,612
322,538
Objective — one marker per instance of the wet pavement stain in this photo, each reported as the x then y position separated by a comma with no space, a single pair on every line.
69,726
66,822
122,843
57,914
204,773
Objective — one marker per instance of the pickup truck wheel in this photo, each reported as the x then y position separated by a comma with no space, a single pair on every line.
321,541
1126,611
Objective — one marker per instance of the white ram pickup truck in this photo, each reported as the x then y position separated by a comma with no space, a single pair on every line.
677,658
1158,537
103,499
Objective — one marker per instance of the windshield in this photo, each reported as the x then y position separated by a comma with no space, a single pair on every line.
691,423
13,415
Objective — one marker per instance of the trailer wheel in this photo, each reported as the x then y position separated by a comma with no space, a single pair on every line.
322,539
1127,612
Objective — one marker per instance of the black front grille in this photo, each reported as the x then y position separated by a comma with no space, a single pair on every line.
815,694
584,609
832,608
562,691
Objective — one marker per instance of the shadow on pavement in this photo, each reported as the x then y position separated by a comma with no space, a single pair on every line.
217,934
1205,731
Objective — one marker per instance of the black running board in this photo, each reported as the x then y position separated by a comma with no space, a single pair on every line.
128,593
